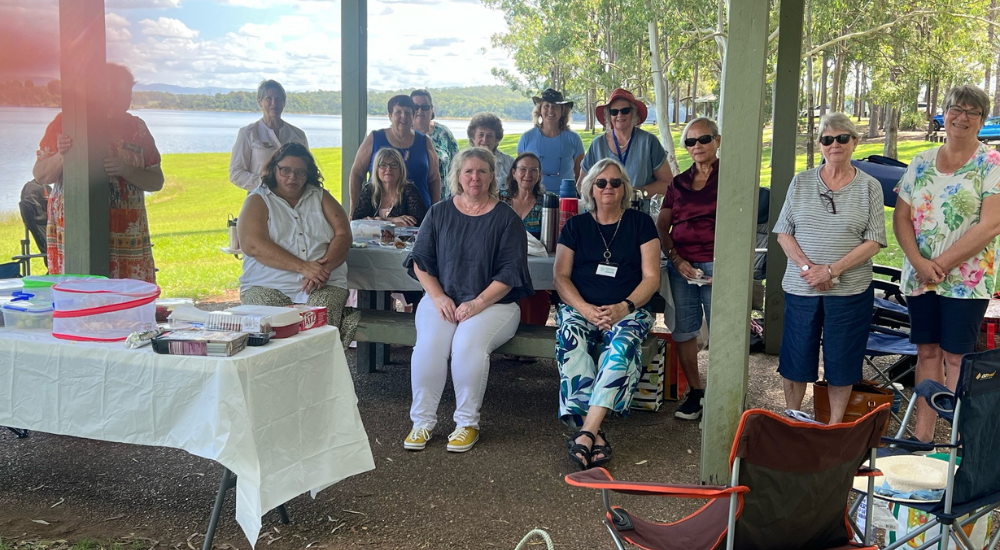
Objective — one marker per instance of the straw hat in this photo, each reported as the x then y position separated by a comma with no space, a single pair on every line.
908,473
621,93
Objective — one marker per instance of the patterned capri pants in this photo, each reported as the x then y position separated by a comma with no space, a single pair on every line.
332,298
610,381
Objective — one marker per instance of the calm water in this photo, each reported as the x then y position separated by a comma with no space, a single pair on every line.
21,128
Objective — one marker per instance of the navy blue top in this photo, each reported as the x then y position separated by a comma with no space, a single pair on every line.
415,157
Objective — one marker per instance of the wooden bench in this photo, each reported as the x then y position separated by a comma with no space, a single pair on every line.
389,327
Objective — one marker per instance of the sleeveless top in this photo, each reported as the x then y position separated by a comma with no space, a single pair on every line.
415,157
302,231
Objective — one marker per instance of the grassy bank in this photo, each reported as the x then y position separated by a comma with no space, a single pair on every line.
188,217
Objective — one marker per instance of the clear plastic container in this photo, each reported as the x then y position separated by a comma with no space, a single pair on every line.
27,315
41,285
166,305
366,230
9,286
103,310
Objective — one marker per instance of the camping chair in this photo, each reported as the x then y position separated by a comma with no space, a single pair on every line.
789,489
975,486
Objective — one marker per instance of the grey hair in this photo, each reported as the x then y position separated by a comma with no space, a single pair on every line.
587,185
837,121
968,95
480,153
266,85
635,113
712,127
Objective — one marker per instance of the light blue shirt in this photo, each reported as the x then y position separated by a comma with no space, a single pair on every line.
558,155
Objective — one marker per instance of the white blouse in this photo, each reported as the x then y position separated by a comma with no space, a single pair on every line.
304,232
254,146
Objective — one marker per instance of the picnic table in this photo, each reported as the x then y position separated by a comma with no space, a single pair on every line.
282,417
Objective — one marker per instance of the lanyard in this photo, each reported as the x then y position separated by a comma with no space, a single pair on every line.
627,147
607,245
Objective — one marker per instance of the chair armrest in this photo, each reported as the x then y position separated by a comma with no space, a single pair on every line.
599,478
894,273
866,471
919,446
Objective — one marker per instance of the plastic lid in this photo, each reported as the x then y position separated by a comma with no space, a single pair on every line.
28,307
7,286
567,189
45,281
173,302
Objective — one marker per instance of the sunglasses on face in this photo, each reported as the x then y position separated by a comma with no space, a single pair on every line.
841,139
423,107
704,140
602,183
287,171
623,110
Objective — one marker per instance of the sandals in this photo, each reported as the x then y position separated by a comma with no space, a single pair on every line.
576,449
604,450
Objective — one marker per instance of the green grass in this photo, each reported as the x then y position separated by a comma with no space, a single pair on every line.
188,217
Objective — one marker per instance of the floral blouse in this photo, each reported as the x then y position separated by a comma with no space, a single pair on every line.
943,208
446,148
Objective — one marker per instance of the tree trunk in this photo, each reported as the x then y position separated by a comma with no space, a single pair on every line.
810,121
591,96
824,81
660,89
934,96
694,93
857,91
996,91
677,102
838,96
990,43
873,121
891,131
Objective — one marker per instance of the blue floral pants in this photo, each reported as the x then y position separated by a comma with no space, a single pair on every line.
611,381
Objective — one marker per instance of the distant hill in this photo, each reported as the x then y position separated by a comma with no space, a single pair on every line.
184,90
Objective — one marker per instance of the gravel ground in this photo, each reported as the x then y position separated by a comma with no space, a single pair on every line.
64,488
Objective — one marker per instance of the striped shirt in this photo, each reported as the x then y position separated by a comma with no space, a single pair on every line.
825,237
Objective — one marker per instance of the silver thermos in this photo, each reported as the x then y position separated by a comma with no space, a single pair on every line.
550,221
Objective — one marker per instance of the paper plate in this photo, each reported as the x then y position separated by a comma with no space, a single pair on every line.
861,483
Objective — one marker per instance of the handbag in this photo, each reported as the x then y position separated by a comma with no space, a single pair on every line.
866,396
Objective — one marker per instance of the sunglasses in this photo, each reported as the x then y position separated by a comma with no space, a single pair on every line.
623,110
602,183
423,107
828,201
704,140
841,139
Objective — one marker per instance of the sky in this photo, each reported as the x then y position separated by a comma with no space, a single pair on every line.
237,43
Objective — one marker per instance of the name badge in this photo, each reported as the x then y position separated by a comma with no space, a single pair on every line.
607,270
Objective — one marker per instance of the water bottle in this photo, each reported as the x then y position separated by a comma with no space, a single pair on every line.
897,396
550,221
568,203
234,238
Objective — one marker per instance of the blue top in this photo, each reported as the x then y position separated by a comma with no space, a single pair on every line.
415,157
642,156
557,154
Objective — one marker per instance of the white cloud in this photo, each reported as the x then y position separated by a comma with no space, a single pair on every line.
116,28
143,4
166,27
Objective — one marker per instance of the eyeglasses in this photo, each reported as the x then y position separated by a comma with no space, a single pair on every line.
828,202
388,166
704,140
287,171
623,110
423,107
971,113
521,170
841,139
602,183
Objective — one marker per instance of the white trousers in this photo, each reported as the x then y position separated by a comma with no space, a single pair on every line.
469,344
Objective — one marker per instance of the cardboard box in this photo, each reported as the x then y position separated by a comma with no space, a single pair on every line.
312,316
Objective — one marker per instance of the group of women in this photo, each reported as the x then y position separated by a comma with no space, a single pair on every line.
471,253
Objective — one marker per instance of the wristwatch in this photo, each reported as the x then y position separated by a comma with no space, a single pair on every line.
631,306
642,192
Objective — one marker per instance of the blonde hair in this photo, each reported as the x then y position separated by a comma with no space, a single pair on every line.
480,153
387,154
587,185
536,115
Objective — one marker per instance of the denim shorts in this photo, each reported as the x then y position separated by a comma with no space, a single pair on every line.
843,323
690,302
954,323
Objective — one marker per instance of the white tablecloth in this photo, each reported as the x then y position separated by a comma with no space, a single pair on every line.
282,417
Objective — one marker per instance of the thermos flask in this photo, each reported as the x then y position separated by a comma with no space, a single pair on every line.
550,221
568,203
234,239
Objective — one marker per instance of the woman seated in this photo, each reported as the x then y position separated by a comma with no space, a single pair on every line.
607,268
471,259
524,193
389,196
295,238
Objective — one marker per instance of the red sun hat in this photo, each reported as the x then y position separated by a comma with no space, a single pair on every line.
621,93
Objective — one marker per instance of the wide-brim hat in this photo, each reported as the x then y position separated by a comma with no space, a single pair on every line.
908,473
622,93
552,96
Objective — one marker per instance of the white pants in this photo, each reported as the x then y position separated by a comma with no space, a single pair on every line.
469,344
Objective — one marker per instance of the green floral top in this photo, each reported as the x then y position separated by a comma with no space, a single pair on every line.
446,148
943,208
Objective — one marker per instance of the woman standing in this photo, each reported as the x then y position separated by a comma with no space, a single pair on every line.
471,258
133,166
832,223
686,225
559,149
257,142
946,218
390,196
636,149
607,268
415,147
442,138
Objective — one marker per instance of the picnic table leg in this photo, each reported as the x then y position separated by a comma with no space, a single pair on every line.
228,482
371,356
21,434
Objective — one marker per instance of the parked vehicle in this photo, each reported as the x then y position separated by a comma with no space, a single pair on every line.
937,123
991,130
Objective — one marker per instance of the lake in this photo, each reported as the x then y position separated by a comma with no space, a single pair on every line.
21,128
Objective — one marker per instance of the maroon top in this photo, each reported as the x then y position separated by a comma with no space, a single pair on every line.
692,215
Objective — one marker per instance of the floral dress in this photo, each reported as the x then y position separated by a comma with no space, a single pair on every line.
944,206
446,148
130,251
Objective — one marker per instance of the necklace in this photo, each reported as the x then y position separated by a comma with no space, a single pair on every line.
478,211
607,245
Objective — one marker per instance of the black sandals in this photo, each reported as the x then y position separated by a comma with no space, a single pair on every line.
576,449
604,450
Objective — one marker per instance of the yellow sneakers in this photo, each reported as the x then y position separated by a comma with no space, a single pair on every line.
462,439
417,440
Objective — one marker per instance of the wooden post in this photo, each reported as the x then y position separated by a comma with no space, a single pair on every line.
782,160
735,232
354,87
84,90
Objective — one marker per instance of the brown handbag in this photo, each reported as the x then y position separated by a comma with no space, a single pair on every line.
866,396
